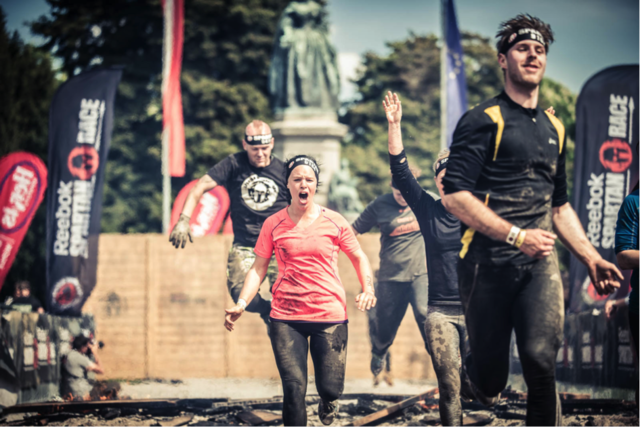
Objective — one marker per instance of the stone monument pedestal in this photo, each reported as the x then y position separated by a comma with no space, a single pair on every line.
313,133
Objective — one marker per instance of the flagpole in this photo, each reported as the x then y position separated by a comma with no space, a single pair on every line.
167,47
443,77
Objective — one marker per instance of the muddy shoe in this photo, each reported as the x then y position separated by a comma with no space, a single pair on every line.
489,402
327,411
377,364
388,378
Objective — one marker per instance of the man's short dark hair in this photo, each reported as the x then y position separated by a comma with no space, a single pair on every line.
23,285
519,22
79,342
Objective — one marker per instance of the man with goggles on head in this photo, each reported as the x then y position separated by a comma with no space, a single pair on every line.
255,183
506,182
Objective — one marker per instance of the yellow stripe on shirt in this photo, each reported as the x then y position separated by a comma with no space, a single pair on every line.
496,115
559,128
468,235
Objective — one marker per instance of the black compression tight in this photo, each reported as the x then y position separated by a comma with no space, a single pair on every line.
527,299
291,343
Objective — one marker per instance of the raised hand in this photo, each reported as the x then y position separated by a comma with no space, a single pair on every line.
392,108
551,111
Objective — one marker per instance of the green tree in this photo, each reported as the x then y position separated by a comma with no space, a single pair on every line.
412,69
227,46
27,84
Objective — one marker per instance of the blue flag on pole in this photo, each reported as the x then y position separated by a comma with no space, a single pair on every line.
456,84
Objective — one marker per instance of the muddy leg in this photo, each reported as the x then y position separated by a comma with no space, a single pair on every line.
443,339
290,347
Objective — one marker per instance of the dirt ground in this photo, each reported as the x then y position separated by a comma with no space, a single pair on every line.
423,413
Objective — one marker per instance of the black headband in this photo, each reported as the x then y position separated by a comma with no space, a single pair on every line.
523,34
258,139
442,165
302,161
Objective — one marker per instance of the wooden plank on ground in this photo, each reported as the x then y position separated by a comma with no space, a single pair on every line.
386,412
256,418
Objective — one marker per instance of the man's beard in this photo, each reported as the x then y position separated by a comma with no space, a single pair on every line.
517,80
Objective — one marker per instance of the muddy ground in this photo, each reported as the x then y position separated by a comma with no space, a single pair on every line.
198,408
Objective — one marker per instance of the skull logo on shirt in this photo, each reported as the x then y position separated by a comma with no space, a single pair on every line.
259,193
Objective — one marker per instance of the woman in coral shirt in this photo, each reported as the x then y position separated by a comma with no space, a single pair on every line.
309,307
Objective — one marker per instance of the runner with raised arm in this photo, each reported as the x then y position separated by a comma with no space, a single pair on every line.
445,330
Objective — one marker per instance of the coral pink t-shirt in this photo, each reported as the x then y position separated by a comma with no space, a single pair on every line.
308,287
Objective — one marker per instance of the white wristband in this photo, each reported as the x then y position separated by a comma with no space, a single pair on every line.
242,303
513,235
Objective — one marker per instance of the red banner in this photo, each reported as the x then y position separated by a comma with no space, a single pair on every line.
172,118
208,215
23,180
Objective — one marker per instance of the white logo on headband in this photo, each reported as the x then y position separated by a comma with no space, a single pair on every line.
258,139
533,34
306,162
512,37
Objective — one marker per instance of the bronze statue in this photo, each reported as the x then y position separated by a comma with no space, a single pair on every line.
304,72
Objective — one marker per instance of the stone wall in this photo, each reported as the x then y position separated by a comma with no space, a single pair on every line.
160,313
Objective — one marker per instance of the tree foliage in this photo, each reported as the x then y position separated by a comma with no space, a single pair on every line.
412,69
27,84
227,47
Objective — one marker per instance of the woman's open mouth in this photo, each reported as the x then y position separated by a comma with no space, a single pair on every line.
303,196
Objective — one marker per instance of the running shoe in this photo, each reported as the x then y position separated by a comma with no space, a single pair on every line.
327,411
388,378
487,401
377,364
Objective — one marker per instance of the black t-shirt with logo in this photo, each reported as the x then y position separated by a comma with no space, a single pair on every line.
26,304
440,231
255,193
512,159
402,255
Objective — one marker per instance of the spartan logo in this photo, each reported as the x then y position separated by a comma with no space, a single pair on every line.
259,193
67,292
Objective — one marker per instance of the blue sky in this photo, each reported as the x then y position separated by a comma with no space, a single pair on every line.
590,34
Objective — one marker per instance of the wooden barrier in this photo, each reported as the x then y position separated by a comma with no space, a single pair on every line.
160,313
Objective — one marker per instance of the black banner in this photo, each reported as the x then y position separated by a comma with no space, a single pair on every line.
605,169
80,123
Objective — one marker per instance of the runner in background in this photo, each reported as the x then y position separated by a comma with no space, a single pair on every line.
445,329
627,256
309,307
402,278
255,182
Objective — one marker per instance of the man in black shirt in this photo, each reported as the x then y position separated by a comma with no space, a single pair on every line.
444,329
255,183
22,299
402,278
506,182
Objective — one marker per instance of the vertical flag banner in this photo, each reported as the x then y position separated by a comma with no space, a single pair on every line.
172,119
455,83
605,168
209,213
80,123
23,180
